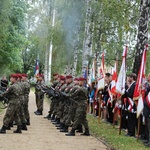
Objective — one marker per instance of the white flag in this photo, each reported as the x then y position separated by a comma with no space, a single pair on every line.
140,106
120,85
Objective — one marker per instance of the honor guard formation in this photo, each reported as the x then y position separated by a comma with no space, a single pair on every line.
68,105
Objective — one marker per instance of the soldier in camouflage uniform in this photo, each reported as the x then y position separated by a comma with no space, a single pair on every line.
56,81
60,105
73,106
22,103
69,82
12,111
39,95
56,102
80,95
26,96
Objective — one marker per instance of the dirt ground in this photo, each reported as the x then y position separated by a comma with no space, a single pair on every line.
43,135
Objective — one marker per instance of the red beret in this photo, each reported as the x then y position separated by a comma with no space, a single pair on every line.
14,75
62,77
19,75
55,74
76,79
82,79
68,76
24,75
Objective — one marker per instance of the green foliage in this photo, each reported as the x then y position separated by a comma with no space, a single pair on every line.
12,34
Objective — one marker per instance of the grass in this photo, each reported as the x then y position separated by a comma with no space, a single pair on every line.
111,138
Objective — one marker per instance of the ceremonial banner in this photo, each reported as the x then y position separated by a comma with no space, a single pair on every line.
101,75
139,91
141,78
114,80
120,85
140,107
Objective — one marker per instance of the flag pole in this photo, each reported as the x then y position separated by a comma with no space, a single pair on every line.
115,113
120,116
138,133
99,108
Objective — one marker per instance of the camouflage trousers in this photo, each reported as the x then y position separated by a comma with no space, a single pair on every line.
26,107
65,113
22,112
56,104
60,109
39,101
80,116
12,114
52,106
71,115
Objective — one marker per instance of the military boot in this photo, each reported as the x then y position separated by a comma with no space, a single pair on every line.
79,129
28,122
24,127
36,111
53,118
86,133
65,129
11,124
61,126
40,112
48,116
18,129
71,133
8,128
55,121
3,129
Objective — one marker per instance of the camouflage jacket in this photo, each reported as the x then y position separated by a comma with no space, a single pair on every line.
39,86
26,87
22,87
68,87
13,93
79,95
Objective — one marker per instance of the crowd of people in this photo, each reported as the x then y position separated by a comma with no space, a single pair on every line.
17,112
125,107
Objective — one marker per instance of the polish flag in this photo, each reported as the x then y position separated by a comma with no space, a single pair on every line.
101,75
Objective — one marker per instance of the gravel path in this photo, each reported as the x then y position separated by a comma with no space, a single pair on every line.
43,135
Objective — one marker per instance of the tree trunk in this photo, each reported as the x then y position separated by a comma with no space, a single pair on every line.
142,37
87,43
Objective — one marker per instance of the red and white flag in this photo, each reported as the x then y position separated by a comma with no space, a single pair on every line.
139,90
101,75
131,104
140,78
114,80
120,85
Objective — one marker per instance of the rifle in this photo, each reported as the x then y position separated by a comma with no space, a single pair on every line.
68,99
51,92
